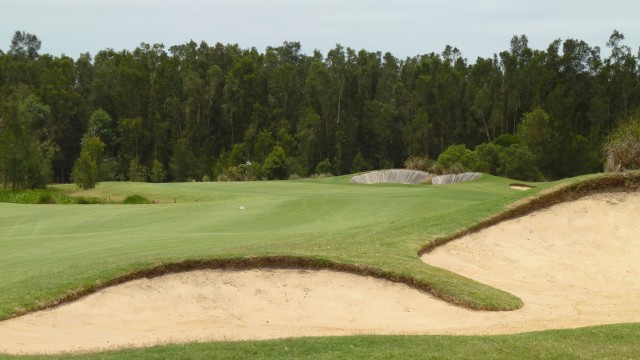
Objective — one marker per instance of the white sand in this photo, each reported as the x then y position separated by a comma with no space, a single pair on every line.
520,187
575,264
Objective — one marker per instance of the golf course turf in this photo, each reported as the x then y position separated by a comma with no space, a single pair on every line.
51,253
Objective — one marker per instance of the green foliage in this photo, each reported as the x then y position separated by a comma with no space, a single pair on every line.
101,125
264,144
622,147
506,140
275,165
25,45
517,162
192,105
35,196
452,155
243,172
109,170
308,137
324,167
489,158
288,142
457,158
182,162
157,172
295,167
25,160
136,199
535,132
137,171
416,134
45,196
86,170
360,164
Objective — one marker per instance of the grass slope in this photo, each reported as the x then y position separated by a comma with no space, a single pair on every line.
600,342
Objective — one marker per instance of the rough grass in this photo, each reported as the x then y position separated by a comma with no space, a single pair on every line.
599,342
622,148
35,196
45,196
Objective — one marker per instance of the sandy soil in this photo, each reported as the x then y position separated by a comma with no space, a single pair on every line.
575,264
520,187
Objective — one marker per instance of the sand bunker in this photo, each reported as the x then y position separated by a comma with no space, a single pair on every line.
520,187
399,176
574,264
227,305
455,178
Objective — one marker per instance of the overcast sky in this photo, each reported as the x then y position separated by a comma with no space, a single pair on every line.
402,27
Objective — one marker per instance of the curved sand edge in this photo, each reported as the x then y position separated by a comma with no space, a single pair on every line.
520,187
573,264
397,176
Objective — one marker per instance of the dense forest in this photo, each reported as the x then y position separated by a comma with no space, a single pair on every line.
206,112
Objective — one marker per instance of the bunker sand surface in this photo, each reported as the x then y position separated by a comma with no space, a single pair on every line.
574,264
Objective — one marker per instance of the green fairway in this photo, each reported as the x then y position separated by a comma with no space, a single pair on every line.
49,251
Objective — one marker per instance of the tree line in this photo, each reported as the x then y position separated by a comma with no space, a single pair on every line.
205,112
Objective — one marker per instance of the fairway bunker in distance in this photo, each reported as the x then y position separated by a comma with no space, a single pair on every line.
455,178
397,176
521,187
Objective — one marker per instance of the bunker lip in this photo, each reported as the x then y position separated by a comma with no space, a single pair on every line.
257,262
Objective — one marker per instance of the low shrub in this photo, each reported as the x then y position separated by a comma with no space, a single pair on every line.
46,198
622,148
87,200
136,199
422,163
437,169
517,162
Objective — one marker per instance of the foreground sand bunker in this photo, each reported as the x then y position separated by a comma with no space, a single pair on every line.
574,264
399,176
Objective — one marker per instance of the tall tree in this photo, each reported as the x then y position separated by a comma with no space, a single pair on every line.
25,45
